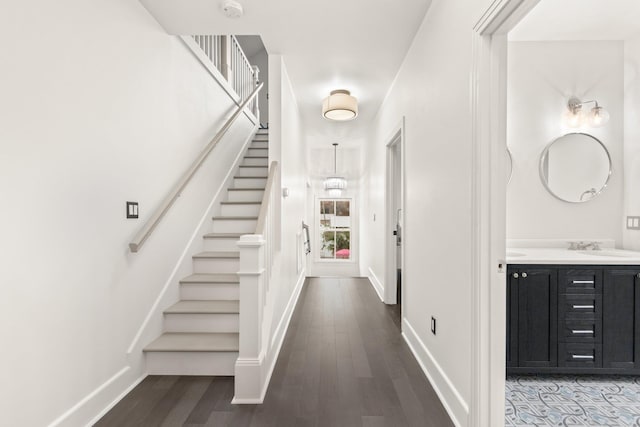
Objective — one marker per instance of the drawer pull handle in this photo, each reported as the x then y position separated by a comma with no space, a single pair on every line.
581,331
583,282
578,306
582,356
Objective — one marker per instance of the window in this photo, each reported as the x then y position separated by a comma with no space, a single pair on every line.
335,229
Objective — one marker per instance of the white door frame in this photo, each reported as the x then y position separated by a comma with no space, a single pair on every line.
488,109
396,139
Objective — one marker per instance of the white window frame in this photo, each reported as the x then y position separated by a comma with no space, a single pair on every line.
352,230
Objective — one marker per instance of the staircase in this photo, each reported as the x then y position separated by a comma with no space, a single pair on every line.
201,330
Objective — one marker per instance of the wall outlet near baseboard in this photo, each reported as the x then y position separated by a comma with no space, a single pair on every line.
633,223
433,325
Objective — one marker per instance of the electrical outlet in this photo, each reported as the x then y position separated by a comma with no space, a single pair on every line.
433,325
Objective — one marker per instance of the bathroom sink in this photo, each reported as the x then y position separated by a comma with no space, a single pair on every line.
513,254
610,252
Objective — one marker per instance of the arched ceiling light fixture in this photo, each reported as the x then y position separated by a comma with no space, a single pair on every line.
575,117
340,106
335,184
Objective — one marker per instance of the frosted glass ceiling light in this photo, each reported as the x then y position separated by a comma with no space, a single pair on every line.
576,117
340,106
335,184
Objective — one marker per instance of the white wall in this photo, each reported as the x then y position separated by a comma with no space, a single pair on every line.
542,76
99,106
287,147
432,92
631,238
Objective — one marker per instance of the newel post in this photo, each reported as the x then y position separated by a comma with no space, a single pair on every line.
248,372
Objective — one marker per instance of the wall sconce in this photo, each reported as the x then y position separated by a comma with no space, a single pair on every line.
575,116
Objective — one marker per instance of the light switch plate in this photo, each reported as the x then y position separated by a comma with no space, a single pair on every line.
132,209
633,223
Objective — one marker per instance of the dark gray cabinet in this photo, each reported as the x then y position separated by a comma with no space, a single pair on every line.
573,319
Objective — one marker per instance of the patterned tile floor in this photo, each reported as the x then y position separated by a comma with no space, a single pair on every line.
568,400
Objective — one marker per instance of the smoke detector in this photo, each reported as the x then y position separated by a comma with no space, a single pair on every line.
232,9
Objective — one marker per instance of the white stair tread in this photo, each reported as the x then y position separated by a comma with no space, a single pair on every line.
256,157
250,177
254,166
218,254
245,189
181,341
204,307
240,203
211,278
241,218
223,235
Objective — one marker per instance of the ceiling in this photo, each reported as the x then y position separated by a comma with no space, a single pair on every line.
357,45
579,20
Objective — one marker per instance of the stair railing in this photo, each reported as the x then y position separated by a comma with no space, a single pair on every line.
227,56
256,262
169,200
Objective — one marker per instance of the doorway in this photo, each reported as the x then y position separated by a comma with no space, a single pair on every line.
395,220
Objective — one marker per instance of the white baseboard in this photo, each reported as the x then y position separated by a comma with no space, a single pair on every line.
377,285
95,401
451,399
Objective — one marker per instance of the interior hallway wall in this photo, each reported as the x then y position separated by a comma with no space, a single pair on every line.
542,76
99,106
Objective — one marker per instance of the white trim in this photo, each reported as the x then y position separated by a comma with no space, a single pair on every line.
188,249
75,409
450,397
395,139
375,282
275,345
488,124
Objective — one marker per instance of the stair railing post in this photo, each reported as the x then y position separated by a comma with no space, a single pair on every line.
256,82
248,372
225,59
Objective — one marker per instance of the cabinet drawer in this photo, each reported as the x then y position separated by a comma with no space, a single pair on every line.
578,355
580,281
580,331
580,307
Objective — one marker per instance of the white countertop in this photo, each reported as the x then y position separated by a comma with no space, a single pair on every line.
606,256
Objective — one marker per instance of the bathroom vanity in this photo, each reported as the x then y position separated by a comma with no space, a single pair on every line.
573,312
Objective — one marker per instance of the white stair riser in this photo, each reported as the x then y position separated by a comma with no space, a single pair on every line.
216,265
247,161
191,363
210,291
221,244
245,196
240,210
260,171
259,144
257,152
201,322
252,182
234,226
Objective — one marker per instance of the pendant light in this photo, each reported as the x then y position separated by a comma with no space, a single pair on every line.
335,184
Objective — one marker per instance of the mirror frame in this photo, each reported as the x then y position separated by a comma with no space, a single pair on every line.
545,152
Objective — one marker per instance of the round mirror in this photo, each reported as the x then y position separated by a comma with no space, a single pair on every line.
509,165
575,168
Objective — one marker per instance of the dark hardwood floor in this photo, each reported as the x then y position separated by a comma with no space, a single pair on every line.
343,363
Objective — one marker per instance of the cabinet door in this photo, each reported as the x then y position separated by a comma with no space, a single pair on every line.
512,318
538,318
621,319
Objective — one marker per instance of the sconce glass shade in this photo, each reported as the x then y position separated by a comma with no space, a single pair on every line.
340,106
573,119
598,117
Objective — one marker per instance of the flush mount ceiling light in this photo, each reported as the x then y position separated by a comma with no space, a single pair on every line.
575,116
335,184
232,9
340,106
